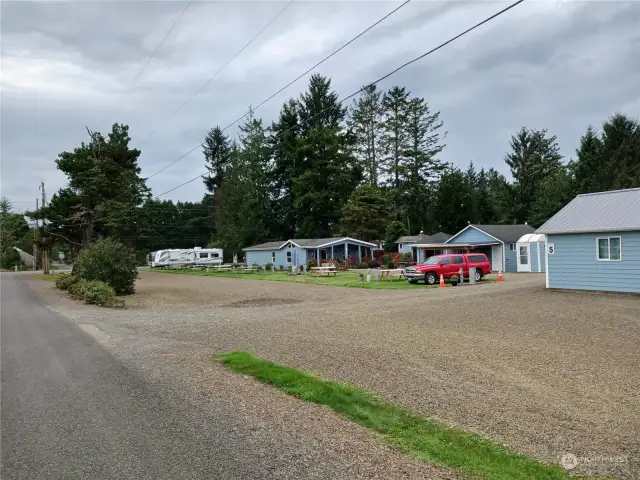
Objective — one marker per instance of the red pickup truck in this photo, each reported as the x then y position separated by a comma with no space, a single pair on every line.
447,266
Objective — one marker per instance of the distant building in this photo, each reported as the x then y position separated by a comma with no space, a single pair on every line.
593,243
299,251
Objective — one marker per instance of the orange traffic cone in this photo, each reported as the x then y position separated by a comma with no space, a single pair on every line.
441,281
499,275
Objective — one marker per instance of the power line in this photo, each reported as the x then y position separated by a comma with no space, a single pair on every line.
373,25
153,54
394,71
384,77
215,75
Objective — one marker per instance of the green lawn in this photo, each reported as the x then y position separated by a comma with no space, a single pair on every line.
50,277
342,279
415,435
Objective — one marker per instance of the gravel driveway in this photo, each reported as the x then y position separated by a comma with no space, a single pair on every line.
546,373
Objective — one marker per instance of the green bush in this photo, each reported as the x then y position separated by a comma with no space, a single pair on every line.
64,281
386,259
77,288
391,265
108,261
281,267
99,293
10,258
267,266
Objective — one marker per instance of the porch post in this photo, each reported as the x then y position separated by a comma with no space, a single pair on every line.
346,252
332,252
360,253
318,256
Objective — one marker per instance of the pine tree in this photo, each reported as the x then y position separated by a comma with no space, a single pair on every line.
365,214
328,172
395,141
284,140
216,152
365,124
534,157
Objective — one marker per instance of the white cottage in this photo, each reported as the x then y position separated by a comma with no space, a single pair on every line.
530,253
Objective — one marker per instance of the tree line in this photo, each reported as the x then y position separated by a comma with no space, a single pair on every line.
371,170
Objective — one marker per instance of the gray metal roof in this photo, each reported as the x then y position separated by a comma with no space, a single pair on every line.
617,210
305,243
439,237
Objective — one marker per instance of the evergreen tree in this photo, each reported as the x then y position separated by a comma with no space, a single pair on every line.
534,157
328,172
365,214
453,201
395,139
365,124
591,173
216,152
284,139
394,230
554,193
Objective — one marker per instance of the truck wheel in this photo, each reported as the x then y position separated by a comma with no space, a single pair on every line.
478,275
430,279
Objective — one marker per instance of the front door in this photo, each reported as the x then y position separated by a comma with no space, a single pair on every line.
524,258
496,258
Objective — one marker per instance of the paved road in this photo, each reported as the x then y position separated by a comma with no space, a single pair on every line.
71,410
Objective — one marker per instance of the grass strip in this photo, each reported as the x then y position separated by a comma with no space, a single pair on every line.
49,277
343,279
415,435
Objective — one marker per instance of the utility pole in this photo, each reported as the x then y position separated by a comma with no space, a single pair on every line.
35,239
45,265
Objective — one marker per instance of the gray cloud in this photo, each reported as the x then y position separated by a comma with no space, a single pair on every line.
67,65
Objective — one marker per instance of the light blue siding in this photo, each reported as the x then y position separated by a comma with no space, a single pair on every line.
405,247
535,247
574,264
511,259
472,235
258,257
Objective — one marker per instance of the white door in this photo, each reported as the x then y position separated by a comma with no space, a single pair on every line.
524,257
496,258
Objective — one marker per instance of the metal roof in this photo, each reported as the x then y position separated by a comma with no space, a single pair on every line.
307,243
616,210
439,237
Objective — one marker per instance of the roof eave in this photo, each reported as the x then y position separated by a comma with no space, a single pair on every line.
589,230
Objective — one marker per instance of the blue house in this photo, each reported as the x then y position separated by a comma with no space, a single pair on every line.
593,243
299,251
407,243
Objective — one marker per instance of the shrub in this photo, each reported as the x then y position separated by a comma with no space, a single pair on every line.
99,293
290,268
267,266
391,265
108,261
64,281
386,259
10,259
406,257
281,267
77,288
311,263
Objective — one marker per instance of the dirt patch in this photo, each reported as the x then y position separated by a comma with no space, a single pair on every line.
263,302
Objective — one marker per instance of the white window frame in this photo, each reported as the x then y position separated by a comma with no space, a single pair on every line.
513,247
273,258
289,256
608,239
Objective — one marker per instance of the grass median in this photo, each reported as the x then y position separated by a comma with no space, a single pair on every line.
342,279
415,435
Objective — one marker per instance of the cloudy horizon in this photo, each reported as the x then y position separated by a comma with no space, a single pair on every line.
559,65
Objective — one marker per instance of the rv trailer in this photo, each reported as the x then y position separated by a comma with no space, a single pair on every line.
187,257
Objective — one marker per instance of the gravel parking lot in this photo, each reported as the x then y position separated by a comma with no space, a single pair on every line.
546,373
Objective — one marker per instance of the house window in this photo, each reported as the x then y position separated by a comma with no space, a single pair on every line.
609,249
289,257
273,257
512,247
524,256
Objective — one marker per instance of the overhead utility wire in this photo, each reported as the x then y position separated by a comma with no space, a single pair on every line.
159,46
215,75
396,70
384,77
290,83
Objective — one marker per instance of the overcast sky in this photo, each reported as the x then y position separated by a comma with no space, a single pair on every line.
560,65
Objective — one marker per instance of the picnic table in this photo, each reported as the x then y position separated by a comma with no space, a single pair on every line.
325,270
391,272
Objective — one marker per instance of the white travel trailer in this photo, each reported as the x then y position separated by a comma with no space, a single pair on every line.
186,257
